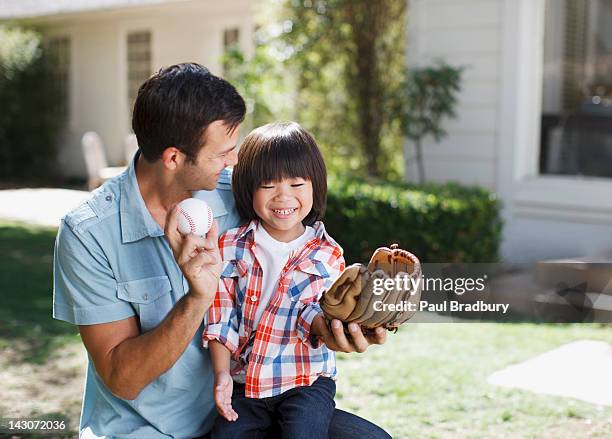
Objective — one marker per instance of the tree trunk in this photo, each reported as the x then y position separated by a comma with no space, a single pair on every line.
364,78
419,158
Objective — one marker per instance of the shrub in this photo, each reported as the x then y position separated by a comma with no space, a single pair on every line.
32,106
438,223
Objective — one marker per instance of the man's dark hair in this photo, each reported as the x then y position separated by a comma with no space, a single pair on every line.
273,152
175,106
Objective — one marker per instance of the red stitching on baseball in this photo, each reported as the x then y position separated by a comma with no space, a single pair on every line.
210,218
192,227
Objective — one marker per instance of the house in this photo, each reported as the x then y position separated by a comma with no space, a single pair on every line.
107,48
534,117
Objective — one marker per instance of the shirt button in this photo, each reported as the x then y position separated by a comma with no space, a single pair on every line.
145,297
253,298
109,198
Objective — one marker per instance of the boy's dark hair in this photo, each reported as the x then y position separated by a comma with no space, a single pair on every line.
175,106
273,152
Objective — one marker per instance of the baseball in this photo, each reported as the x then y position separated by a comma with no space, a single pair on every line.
195,216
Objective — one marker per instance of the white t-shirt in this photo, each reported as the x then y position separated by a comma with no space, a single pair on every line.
273,256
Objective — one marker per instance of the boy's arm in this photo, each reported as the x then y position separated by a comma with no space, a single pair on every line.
220,356
335,338
220,336
310,311
224,385
221,320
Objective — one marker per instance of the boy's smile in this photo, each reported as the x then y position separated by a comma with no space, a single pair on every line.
284,213
282,206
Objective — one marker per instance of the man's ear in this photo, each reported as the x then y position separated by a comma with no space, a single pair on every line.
172,158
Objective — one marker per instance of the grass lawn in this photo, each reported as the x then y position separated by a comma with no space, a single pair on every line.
427,381
26,292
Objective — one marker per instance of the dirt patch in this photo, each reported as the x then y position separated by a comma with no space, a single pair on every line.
56,390
581,428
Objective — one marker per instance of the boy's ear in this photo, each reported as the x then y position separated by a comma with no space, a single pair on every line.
172,158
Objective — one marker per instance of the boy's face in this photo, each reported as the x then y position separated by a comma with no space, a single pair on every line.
219,152
282,206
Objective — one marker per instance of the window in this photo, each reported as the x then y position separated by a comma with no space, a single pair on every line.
59,48
230,38
576,133
138,63
231,41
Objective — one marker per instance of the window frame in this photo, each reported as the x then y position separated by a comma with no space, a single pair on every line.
126,54
525,191
67,87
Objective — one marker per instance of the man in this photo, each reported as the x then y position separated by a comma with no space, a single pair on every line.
138,290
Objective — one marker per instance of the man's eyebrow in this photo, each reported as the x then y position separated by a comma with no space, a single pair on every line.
228,150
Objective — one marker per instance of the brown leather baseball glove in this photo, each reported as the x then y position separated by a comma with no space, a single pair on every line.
377,294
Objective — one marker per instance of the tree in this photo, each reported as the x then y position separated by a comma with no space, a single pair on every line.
429,95
32,106
348,56
250,77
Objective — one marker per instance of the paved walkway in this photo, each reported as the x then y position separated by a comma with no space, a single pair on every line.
580,369
39,206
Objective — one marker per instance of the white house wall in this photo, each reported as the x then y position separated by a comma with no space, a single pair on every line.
463,33
494,141
188,31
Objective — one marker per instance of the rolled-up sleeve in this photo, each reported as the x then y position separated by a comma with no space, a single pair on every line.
304,322
312,309
221,320
84,287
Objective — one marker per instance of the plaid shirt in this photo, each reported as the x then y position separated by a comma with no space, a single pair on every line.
280,353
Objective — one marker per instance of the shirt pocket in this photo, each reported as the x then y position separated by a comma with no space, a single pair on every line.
150,297
307,281
236,271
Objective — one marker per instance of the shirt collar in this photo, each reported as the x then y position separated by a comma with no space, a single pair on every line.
318,227
136,220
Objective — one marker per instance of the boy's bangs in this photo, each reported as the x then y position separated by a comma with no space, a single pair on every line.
283,159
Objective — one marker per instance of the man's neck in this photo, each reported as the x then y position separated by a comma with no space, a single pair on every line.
158,189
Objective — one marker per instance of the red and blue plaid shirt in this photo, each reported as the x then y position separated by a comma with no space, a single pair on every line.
280,353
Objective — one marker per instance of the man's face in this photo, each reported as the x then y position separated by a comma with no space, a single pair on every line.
219,152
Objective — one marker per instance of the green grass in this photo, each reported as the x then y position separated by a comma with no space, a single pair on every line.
26,293
427,381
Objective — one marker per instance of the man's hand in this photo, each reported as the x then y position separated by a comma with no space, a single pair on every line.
223,395
336,339
198,257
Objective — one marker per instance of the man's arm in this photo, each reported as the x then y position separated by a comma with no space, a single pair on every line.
336,339
128,361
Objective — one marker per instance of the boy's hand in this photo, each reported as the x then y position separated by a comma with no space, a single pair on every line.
223,395
198,257
336,339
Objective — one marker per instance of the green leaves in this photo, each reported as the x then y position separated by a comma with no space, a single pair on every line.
348,57
18,49
32,103
438,223
427,96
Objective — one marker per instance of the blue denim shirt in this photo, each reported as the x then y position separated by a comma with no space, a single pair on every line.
112,262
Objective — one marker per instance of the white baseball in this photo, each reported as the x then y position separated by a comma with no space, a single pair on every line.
195,216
